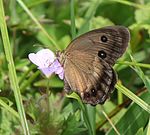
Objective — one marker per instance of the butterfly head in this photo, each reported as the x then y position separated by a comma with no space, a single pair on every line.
61,57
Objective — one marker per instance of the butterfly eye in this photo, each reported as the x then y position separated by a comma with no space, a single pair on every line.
104,38
102,54
93,92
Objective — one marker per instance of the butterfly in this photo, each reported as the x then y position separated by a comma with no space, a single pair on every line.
88,62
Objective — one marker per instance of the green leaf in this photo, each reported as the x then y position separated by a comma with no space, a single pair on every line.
138,70
37,23
54,82
72,126
8,123
133,119
6,104
142,15
148,127
76,96
89,125
88,16
20,64
91,112
140,132
133,97
99,21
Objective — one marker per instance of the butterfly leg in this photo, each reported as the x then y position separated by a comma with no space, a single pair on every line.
67,87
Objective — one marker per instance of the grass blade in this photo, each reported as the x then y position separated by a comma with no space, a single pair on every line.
129,3
73,26
133,119
89,14
7,107
109,120
84,111
133,97
148,129
138,70
12,71
134,64
37,23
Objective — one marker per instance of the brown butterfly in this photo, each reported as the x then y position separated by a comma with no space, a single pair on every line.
88,62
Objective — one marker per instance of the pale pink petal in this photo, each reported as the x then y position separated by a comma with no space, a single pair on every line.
61,75
42,58
34,59
58,70
46,57
47,63
47,71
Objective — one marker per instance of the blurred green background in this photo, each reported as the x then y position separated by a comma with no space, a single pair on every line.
48,110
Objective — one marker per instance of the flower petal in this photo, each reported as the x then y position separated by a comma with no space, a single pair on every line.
61,75
34,59
47,63
47,71
42,58
58,69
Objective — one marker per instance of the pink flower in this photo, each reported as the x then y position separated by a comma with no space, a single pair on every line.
47,63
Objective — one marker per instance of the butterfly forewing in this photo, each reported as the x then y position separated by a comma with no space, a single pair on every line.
114,45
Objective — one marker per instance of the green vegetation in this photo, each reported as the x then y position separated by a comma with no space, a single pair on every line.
31,104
